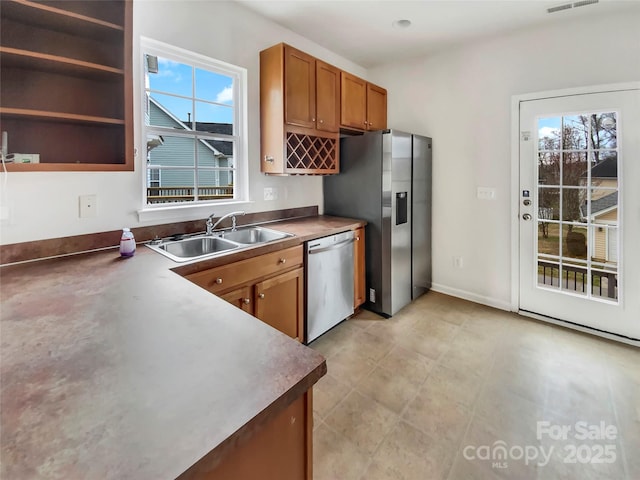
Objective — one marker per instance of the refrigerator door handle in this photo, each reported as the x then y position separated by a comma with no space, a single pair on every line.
332,247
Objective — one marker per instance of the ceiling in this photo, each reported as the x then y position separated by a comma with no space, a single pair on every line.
362,30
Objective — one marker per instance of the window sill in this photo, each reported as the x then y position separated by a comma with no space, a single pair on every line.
186,212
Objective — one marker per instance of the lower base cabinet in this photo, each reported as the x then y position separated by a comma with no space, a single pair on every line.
269,287
280,450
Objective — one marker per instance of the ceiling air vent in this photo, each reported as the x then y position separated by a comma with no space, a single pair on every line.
568,6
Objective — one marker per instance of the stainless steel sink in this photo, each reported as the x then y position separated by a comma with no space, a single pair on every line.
190,248
253,235
203,245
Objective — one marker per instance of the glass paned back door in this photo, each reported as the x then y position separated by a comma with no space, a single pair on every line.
579,251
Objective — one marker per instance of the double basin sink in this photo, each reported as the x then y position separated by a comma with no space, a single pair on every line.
204,245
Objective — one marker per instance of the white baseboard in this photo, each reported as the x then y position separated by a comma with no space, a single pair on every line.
580,328
472,297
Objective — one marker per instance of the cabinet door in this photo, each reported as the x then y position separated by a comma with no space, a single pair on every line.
359,269
353,105
300,88
279,302
327,97
241,298
281,450
376,107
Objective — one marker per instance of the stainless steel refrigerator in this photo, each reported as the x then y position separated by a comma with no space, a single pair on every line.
385,179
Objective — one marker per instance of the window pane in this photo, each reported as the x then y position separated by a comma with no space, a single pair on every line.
548,203
215,184
604,130
574,242
604,207
549,133
574,168
172,77
604,283
215,153
575,131
549,168
169,111
548,274
574,279
573,201
604,172
171,151
176,185
209,116
214,87
548,240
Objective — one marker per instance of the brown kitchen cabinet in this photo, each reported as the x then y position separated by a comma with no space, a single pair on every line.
66,80
299,113
279,302
359,281
281,450
363,105
269,286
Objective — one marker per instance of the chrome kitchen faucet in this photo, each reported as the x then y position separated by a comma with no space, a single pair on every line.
212,226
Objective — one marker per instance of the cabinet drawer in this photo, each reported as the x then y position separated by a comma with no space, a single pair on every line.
226,277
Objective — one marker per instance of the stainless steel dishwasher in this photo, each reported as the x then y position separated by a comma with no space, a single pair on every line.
329,282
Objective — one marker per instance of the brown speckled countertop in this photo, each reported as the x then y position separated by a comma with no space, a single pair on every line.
122,369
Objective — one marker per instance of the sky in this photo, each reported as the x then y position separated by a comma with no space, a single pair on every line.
177,78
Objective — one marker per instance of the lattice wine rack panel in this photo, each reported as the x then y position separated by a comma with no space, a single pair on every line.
311,154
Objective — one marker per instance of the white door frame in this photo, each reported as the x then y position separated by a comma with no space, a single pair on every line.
515,184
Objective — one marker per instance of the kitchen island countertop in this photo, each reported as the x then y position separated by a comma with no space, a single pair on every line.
115,368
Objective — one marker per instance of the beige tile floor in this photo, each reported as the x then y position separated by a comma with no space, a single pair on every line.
434,391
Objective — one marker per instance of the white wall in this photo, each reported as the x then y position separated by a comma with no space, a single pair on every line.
45,205
461,98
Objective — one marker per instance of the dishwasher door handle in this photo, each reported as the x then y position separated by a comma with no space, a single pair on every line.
332,247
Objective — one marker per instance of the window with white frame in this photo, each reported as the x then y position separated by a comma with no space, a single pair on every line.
193,125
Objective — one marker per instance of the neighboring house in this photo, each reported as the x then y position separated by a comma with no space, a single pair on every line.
604,211
175,152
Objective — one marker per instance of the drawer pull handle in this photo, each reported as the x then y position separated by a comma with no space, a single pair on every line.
282,260
246,301
261,295
219,281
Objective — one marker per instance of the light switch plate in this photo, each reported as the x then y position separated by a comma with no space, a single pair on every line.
88,206
486,193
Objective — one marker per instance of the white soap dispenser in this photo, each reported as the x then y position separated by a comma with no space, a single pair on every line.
127,243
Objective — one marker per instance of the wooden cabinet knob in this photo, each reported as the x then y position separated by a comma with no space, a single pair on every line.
219,281
261,295
321,121
313,120
246,301
357,238
282,260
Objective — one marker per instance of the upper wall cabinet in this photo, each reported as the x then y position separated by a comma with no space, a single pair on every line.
66,84
363,105
299,113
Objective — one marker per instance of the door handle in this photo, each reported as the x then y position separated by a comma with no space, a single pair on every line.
332,247
526,216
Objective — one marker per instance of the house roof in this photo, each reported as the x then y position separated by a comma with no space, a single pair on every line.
224,147
608,168
601,204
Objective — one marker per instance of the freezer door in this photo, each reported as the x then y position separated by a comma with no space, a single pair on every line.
400,224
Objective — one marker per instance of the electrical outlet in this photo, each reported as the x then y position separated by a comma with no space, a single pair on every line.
372,295
458,262
88,206
270,193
